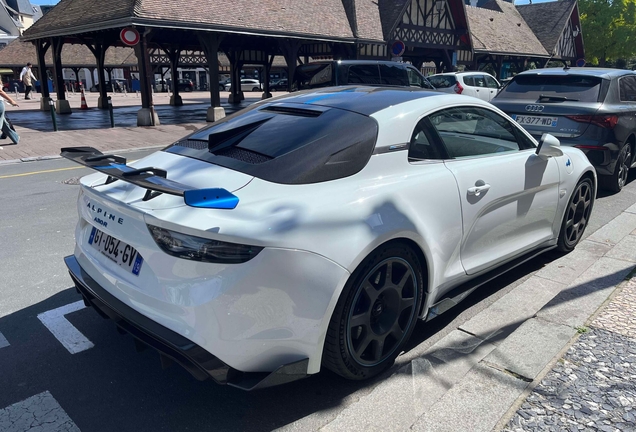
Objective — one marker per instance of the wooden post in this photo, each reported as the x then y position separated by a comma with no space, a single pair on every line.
61,105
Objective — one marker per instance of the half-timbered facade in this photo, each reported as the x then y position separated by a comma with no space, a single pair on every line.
558,28
431,30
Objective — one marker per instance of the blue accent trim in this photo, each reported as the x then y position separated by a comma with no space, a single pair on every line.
92,236
122,167
211,198
137,265
568,163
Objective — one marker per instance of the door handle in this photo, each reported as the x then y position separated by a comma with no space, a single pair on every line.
480,186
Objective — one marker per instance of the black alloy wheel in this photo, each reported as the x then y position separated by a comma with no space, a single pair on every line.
376,314
577,215
618,180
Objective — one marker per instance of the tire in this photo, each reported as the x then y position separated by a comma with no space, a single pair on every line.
376,313
616,182
221,88
187,89
255,89
577,215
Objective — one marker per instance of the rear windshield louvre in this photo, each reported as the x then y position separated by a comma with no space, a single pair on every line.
297,146
553,88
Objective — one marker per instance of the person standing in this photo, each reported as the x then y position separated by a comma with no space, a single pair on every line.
4,125
27,77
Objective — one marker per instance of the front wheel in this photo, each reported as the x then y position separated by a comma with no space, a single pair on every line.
376,313
577,215
616,181
255,89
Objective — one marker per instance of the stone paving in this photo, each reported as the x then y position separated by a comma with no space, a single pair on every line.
593,387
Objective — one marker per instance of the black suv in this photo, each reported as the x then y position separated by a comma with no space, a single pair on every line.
371,72
592,109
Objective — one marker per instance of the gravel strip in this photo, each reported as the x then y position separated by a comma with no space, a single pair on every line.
620,314
593,387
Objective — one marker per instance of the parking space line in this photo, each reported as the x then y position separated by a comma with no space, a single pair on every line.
40,412
3,341
63,330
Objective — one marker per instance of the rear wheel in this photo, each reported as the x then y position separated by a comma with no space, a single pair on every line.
255,89
375,314
577,215
616,181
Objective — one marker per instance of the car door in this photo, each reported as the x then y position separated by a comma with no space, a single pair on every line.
493,87
481,89
508,194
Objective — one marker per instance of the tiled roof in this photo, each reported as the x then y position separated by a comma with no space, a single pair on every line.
19,53
390,12
324,18
500,29
368,20
548,20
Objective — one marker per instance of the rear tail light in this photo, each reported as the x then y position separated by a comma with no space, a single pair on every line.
201,249
607,121
458,88
591,147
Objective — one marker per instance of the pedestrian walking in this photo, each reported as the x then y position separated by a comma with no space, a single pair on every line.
4,124
27,77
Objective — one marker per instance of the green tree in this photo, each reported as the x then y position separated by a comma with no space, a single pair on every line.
609,29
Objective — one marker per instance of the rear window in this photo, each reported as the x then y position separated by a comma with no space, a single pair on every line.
442,81
394,75
581,88
314,76
359,74
286,143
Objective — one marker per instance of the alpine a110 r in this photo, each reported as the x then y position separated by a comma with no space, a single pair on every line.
314,230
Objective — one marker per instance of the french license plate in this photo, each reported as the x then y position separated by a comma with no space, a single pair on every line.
116,250
536,120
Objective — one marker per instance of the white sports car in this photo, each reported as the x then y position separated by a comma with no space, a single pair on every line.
315,229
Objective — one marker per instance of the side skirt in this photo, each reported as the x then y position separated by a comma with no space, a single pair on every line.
462,291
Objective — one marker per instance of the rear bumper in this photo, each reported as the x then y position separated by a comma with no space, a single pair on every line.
170,345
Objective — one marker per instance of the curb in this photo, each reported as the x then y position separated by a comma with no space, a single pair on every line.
53,157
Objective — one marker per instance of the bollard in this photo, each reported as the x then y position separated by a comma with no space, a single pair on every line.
110,112
16,91
52,106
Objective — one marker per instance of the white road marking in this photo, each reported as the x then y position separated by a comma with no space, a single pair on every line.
40,412
3,341
63,330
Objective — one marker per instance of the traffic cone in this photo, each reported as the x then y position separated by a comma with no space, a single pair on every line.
84,106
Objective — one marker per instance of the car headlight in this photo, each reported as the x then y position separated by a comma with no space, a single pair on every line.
201,249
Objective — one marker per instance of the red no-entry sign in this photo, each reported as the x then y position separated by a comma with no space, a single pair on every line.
129,36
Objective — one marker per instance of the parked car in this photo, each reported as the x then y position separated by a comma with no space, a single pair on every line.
223,83
279,85
230,252
185,85
593,109
370,72
477,84
247,84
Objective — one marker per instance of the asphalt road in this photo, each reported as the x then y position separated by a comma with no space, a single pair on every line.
110,386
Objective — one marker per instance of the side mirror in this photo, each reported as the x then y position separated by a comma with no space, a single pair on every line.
549,146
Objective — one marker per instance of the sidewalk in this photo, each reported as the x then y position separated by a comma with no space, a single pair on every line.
550,355
92,127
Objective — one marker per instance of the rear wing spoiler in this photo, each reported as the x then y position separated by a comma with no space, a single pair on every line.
154,180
